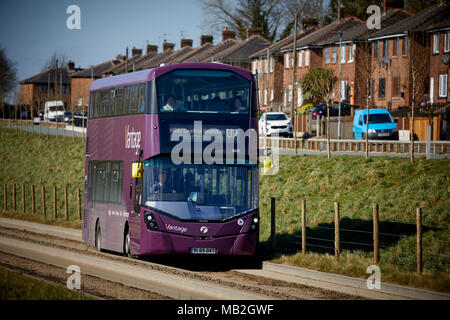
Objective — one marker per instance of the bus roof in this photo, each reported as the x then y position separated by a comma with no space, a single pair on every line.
150,74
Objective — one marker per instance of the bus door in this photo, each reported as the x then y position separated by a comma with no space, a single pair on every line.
136,190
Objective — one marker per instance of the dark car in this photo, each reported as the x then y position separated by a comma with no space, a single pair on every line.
67,116
41,115
80,118
346,109
321,111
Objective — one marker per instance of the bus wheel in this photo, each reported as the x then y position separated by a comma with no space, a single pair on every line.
126,244
98,237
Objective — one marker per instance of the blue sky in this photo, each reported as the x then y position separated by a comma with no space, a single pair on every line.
31,31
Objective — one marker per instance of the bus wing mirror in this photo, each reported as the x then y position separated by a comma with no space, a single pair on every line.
137,169
192,197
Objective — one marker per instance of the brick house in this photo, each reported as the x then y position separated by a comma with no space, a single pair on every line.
401,59
309,55
439,52
50,84
82,80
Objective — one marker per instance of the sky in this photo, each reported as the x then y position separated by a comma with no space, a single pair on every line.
31,31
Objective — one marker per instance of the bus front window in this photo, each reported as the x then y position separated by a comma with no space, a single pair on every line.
198,192
203,91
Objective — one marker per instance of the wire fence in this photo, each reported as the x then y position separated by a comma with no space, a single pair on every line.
385,241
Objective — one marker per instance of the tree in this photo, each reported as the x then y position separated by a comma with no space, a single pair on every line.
57,59
258,14
418,66
7,75
319,83
304,9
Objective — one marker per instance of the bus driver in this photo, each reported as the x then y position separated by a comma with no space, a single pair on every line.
162,186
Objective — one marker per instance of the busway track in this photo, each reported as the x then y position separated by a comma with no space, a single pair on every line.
62,247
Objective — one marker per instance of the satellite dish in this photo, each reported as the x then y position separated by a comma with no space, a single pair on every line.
444,60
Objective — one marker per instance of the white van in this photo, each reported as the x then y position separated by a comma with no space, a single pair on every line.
54,111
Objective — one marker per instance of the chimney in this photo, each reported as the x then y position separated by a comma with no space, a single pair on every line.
152,49
168,45
253,31
186,43
120,57
309,23
206,39
228,34
392,4
136,52
70,65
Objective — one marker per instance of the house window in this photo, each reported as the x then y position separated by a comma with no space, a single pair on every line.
327,55
307,58
443,85
344,90
447,41
395,49
265,96
351,53
396,87
300,58
299,96
271,95
290,93
436,43
381,88
343,53
405,46
285,97
376,49
271,64
254,67
286,60
334,55
385,48
266,65
432,90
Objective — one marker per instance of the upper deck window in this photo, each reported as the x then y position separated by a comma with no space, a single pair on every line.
203,91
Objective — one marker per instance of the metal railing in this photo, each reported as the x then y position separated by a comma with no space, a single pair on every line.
352,146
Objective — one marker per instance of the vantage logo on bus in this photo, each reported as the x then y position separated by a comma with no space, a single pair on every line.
132,139
235,145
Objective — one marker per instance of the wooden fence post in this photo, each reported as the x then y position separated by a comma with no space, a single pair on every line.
44,207
5,197
66,208
419,239
33,201
272,223
376,235
23,198
14,197
303,226
54,202
337,242
79,204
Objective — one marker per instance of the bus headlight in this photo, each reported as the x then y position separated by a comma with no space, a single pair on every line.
254,226
150,221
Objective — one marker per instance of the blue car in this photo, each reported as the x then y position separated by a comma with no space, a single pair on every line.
381,125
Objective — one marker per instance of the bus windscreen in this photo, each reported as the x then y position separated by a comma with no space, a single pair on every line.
198,192
203,91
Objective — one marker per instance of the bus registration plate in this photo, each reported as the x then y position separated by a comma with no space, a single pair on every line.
203,250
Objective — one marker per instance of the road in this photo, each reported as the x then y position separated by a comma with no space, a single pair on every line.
178,279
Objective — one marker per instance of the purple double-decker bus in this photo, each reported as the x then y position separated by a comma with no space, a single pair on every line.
159,178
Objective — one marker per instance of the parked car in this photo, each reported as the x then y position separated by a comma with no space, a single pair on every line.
321,110
41,115
79,117
68,117
277,122
381,125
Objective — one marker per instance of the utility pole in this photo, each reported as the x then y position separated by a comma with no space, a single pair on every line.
294,73
339,11
340,89
126,60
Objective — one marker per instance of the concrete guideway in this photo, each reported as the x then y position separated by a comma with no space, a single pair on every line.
343,284
312,278
129,275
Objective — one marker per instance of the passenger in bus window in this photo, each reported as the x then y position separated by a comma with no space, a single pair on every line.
162,186
238,105
169,106
190,184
